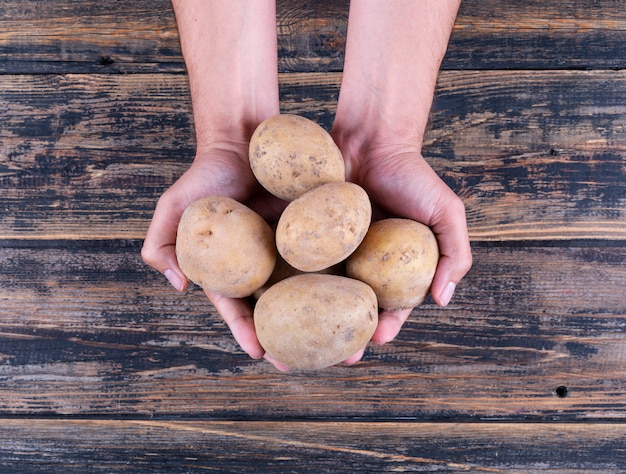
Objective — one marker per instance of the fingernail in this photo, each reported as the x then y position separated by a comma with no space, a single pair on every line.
174,279
446,294
279,365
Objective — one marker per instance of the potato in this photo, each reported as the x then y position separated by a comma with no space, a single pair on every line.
312,321
323,226
283,270
225,247
290,154
398,259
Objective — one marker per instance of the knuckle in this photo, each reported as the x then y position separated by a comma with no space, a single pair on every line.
147,254
466,262
457,207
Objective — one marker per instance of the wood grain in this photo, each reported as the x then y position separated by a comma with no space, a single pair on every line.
116,37
311,35
190,446
535,155
93,331
538,35
104,367
539,152
84,36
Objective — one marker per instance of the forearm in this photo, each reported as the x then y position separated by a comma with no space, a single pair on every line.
231,57
393,54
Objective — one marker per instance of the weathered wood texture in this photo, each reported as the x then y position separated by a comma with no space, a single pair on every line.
116,36
192,446
534,155
93,331
101,361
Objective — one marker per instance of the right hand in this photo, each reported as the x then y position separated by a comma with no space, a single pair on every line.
220,170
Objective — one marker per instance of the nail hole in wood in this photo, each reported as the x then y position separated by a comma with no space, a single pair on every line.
561,391
105,60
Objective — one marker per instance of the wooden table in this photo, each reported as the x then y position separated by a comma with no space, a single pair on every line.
104,367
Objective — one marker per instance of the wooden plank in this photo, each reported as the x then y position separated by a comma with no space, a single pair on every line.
575,34
93,150
93,331
488,34
191,446
121,37
534,155
311,35
88,37
527,159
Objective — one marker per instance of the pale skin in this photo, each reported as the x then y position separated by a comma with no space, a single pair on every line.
393,53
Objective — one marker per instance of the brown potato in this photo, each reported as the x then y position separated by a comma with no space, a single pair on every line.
398,259
322,227
290,154
283,270
312,321
225,247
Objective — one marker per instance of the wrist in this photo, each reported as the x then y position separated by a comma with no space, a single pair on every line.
368,127
375,111
224,169
232,65
229,130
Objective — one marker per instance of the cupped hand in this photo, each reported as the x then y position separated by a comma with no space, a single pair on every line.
402,184
220,170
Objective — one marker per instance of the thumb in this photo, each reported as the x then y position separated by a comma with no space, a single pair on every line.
159,247
454,247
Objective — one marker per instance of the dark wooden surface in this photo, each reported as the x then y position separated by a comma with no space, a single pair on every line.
105,368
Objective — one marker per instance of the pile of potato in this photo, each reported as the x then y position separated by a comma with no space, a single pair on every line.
324,271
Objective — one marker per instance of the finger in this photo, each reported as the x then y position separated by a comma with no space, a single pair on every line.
389,324
454,247
159,247
279,365
354,358
237,315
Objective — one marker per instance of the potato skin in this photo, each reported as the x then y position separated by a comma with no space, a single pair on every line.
290,154
398,259
225,247
323,226
312,321
283,270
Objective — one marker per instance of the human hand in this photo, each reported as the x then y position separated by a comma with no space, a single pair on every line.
393,55
221,170
401,183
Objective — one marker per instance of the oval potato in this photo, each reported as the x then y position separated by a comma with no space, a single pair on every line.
398,259
322,227
312,321
283,270
225,247
290,154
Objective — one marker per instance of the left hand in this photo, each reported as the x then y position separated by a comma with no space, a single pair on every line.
401,183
